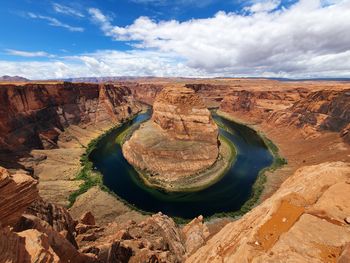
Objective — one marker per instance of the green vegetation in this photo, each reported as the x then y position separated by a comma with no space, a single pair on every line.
87,174
89,177
260,181
93,178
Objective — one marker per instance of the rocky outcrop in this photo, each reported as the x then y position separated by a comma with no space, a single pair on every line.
56,216
33,115
179,141
290,225
17,192
320,111
46,236
184,116
258,105
43,232
312,112
145,93
196,234
156,239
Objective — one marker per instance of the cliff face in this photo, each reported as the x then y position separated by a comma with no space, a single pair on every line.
180,140
17,192
33,115
184,116
290,226
310,111
260,103
321,111
145,93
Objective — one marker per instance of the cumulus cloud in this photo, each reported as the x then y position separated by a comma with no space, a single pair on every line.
103,63
28,54
308,39
263,6
67,10
55,22
283,42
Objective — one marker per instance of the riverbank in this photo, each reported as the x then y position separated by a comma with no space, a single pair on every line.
62,176
192,185
262,179
295,146
199,181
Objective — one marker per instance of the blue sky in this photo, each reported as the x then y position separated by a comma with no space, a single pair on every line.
208,38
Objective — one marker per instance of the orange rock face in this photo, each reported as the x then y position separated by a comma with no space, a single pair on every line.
184,116
290,226
180,140
17,192
33,115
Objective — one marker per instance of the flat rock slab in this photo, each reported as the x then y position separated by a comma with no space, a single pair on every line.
105,207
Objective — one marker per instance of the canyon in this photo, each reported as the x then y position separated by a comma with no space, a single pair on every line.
46,127
180,140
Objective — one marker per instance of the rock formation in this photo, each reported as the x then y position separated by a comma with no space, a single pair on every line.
32,230
180,140
290,226
32,116
17,192
321,110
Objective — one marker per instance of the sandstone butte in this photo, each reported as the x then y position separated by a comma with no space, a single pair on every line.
304,211
180,140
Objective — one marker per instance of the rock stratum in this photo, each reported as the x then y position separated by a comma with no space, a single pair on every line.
304,221
303,217
180,140
32,230
34,115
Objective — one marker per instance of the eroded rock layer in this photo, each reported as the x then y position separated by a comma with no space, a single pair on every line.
33,115
180,140
290,226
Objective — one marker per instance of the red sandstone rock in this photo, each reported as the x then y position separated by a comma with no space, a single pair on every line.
33,115
17,192
180,140
88,219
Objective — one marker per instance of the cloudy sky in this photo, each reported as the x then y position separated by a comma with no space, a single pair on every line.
189,38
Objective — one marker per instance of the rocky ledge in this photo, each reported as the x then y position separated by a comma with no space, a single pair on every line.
181,139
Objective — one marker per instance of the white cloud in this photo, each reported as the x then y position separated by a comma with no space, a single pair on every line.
288,42
196,3
263,6
28,54
102,63
308,39
55,22
67,10
102,20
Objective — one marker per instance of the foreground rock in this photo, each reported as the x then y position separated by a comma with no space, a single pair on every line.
289,226
32,230
42,233
180,140
17,192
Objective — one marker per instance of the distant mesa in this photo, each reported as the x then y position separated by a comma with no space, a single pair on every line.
7,78
180,140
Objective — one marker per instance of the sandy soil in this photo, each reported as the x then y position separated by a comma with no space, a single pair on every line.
57,173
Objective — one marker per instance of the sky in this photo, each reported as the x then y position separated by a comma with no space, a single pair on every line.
50,39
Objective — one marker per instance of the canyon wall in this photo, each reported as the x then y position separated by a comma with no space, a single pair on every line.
145,93
306,220
312,112
33,115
